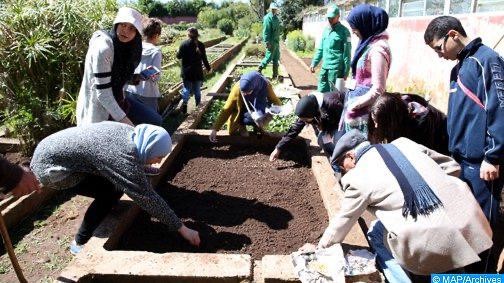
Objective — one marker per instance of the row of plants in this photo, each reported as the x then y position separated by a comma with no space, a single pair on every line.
171,39
43,45
278,124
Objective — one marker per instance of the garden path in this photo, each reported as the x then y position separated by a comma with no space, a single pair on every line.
300,74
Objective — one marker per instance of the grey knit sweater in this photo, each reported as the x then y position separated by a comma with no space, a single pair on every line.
105,149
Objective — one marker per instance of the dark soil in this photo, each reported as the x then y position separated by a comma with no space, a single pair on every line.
17,158
41,241
238,201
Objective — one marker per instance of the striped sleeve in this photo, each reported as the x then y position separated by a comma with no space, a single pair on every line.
102,60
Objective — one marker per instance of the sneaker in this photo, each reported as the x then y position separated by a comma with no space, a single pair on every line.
151,171
74,248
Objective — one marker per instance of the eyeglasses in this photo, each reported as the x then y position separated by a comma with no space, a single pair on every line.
439,48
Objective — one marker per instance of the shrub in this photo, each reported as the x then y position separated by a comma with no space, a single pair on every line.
310,43
255,50
256,29
209,17
296,41
226,26
43,45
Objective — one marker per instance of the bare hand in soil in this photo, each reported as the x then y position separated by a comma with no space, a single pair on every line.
127,121
213,136
307,248
274,155
190,235
26,185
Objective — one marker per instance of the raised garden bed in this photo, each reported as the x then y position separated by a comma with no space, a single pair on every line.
238,200
202,182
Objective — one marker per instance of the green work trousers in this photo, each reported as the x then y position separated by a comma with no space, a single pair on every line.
272,54
327,79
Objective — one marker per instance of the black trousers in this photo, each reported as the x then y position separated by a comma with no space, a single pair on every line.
105,197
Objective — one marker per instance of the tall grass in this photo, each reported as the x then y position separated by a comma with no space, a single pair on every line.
43,44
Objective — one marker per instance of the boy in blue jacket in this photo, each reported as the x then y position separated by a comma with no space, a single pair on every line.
475,118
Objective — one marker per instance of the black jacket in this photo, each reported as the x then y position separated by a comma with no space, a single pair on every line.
330,113
10,175
192,54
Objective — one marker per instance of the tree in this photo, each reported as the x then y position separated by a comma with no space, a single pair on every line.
145,6
209,17
226,26
291,15
259,7
158,10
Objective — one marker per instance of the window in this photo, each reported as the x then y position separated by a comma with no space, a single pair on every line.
460,6
412,8
394,8
489,5
434,7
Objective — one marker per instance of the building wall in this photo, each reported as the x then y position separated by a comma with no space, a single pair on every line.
416,68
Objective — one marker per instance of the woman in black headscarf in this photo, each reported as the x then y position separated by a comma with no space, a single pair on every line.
323,111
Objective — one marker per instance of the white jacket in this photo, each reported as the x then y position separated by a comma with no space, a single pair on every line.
94,104
151,56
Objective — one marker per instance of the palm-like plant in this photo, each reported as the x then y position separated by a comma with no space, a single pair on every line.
43,44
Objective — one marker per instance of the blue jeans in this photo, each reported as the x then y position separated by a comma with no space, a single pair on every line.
488,195
191,87
140,113
328,147
386,262
151,102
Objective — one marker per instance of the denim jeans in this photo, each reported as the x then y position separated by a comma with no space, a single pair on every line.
151,102
386,262
140,113
488,195
191,87
328,146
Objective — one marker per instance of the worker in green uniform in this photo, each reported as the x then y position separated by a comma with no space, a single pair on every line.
271,37
334,51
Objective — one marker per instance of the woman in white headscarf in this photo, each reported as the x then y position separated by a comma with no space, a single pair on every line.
105,160
110,64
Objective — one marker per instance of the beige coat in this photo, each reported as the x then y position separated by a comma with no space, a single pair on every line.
449,238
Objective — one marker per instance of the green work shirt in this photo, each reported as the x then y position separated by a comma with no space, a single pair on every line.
271,29
334,49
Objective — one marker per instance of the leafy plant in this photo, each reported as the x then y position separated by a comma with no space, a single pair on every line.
296,41
226,26
257,50
43,45
211,114
4,266
256,29
281,124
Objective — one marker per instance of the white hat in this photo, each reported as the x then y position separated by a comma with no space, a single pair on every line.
129,15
